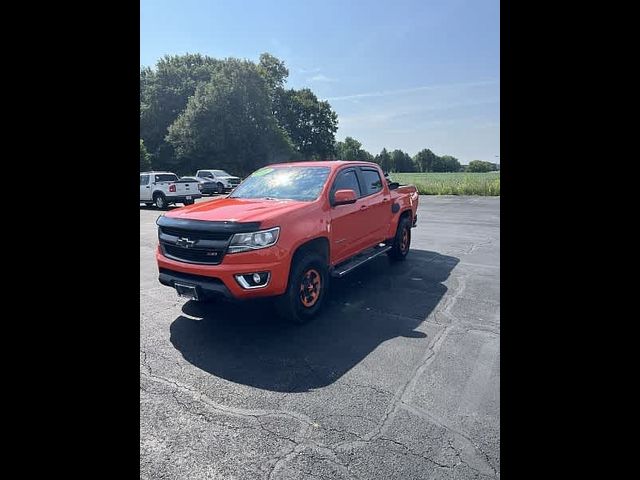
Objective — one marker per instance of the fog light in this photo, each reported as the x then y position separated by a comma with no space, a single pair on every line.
253,280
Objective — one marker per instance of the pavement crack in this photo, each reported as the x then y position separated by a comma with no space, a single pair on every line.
411,452
437,421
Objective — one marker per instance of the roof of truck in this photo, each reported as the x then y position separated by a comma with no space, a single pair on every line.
323,163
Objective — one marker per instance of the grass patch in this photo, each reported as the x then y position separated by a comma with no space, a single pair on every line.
487,184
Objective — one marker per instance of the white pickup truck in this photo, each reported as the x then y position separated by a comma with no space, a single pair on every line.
164,188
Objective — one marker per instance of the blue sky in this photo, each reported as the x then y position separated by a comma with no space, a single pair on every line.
406,74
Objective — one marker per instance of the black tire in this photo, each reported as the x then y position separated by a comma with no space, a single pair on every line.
160,201
189,202
401,243
219,188
297,305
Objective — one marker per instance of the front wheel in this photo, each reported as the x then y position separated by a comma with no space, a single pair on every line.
402,240
219,188
308,286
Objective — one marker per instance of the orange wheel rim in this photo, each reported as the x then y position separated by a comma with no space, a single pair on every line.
310,288
404,242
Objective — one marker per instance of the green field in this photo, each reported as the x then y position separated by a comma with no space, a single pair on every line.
452,183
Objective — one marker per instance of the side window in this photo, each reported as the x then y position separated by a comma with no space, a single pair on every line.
207,175
346,180
144,179
372,181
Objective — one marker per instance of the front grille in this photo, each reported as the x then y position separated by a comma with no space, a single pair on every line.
199,235
198,241
193,255
234,182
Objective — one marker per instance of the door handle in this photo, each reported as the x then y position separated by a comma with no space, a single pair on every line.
385,199
363,207
147,186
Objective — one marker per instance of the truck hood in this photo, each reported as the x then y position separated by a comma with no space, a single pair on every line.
238,210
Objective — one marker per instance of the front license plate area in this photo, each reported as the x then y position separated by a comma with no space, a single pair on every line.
187,291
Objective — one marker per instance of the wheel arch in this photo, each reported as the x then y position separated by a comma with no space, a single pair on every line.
319,245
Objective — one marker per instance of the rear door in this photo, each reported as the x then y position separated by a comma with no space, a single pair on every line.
375,205
347,229
145,188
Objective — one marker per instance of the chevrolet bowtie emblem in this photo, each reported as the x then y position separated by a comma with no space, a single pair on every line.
185,242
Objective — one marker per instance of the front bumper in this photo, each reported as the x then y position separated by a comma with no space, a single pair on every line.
206,285
220,279
183,198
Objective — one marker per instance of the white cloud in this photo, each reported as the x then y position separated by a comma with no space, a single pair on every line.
307,70
385,93
320,78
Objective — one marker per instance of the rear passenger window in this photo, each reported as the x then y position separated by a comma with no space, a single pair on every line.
372,181
144,179
347,181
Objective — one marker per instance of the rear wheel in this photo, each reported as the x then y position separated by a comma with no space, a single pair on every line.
308,285
160,201
402,240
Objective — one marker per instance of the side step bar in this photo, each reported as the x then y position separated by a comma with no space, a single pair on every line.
341,270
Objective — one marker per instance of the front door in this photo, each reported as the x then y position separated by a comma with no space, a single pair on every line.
347,229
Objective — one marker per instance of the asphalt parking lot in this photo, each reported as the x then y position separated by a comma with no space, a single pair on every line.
398,378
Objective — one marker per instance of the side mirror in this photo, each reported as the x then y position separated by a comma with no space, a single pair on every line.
393,185
344,197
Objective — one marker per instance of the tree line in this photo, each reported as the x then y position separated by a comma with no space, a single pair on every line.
398,161
200,112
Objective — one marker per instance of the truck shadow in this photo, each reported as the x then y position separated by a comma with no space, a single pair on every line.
247,343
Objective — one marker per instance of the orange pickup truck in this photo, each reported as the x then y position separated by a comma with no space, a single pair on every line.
284,232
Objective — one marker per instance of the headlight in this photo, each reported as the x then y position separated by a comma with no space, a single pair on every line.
242,242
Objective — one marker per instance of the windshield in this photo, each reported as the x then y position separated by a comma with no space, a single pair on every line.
166,177
284,183
221,173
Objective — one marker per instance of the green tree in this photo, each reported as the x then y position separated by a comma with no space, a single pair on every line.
446,163
273,71
164,93
384,160
351,149
310,124
424,160
229,123
145,158
401,161
480,166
